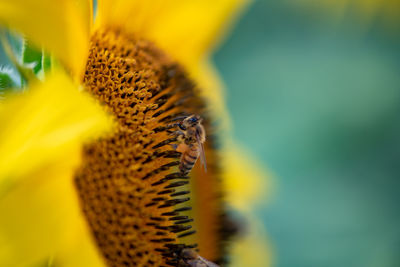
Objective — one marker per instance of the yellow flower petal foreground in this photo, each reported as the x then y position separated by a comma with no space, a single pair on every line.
40,140
41,221
45,125
61,27
186,30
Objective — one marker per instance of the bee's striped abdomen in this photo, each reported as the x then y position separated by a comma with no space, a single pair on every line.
189,158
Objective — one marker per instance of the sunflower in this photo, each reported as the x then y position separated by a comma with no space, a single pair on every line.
88,172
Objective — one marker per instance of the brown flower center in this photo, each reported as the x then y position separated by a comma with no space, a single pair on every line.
132,193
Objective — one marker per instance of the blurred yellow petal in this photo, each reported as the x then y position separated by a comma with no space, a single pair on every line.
43,125
41,220
185,29
197,26
40,142
252,249
212,89
61,27
246,183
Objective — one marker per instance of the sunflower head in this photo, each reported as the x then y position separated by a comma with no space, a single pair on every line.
131,191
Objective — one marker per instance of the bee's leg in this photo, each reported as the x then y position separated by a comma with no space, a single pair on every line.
177,133
173,125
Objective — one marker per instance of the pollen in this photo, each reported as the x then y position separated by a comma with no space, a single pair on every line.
132,193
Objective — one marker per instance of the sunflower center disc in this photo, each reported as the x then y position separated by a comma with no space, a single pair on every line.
131,191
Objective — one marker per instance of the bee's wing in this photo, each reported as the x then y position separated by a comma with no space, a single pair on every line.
208,263
202,155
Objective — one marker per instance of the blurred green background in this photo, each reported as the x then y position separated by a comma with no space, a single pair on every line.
317,99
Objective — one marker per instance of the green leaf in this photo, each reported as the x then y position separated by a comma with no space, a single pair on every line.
6,82
14,46
46,62
32,56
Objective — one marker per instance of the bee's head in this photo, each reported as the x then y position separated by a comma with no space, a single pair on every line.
190,121
193,120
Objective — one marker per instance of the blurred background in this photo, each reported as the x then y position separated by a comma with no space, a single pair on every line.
314,93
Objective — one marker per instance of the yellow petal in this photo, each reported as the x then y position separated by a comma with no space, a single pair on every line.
44,124
40,140
212,89
41,221
185,29
61,27
253,248
246,183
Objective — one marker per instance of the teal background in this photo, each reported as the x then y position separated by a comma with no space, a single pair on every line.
317,100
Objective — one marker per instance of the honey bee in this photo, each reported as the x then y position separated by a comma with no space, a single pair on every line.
191,136
192,259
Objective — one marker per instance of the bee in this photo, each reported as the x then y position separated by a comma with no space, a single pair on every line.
191,136
192,259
